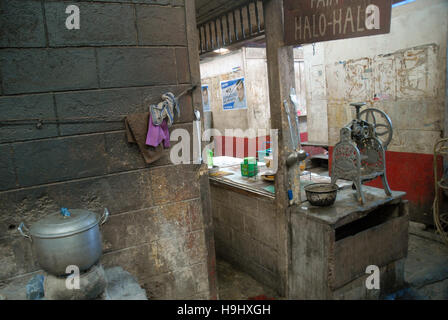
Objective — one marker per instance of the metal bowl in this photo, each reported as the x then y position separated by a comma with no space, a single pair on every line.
321,194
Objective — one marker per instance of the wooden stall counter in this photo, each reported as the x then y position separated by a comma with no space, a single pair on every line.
333,246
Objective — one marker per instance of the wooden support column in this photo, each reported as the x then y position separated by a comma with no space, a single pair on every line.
280,61
195,76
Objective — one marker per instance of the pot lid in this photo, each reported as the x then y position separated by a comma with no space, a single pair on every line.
63,223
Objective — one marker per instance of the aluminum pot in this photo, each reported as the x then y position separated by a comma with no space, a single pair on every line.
62,239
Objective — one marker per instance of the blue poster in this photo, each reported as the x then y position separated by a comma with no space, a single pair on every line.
233,94
205,98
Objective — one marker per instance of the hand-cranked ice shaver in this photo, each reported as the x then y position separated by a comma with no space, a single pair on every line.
359,156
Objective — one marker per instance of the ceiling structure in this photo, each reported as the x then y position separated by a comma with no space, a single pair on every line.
209,9
228,24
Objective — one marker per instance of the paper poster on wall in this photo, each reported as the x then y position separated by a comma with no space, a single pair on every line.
205,98
233,94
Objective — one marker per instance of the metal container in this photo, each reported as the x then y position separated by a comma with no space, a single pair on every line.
321,194
62,240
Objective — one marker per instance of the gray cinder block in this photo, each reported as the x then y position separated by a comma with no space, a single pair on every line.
100,24
161,25
42,70
39,106
21,24
124,67
7,174
59,159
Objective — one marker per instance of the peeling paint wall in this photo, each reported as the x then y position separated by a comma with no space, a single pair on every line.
407,84
403,74
316,93
404,69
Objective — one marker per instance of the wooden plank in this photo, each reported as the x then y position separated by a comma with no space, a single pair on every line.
378,246
310,251
346,207
206,208
280,64
315,144
242,189
391,279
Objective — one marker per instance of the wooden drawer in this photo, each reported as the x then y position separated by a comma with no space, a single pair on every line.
379,239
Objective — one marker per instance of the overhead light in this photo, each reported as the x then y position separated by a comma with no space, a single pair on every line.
221,50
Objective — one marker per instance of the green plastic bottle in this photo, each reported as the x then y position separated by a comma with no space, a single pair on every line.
210,158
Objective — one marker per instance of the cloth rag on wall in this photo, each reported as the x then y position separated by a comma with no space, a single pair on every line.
165,110
136,132
157,134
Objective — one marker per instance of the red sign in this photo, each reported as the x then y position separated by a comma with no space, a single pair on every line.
309,21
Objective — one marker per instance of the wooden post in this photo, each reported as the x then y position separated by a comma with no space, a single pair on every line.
280,61
195,74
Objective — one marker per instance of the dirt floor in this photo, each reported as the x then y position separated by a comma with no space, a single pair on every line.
426,273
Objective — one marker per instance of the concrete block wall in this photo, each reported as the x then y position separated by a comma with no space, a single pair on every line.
246,232
125,54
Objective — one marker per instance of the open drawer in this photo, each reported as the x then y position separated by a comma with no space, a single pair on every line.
379,238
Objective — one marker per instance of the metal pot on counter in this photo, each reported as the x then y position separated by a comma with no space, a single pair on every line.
321,194
66,237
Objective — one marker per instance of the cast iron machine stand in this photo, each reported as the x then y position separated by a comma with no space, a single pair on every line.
359,156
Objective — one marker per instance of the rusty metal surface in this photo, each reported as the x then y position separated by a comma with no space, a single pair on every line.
311,21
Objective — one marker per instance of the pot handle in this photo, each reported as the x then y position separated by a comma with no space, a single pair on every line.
23,227
104,217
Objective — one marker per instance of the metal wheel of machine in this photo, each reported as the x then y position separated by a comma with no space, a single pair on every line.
440,220
381,122
441,187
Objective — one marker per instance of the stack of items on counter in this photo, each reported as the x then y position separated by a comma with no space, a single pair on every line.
249,167
150,129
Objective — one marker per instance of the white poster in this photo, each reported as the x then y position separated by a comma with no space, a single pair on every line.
205,98
233,94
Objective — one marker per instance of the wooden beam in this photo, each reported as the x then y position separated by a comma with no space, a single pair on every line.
280,60
195,76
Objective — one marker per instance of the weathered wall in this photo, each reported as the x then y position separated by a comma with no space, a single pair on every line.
405,69
246,232
316,95
250,63
125,52
222,69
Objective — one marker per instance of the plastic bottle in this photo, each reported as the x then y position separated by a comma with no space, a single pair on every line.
210,158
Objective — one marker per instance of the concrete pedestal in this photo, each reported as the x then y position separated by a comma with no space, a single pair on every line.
98,284
92,284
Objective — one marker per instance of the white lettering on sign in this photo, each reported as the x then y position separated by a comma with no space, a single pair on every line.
372,17
309,21
340,22
323,3
73,20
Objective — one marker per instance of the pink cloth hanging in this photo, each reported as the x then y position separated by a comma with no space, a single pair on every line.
157,134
